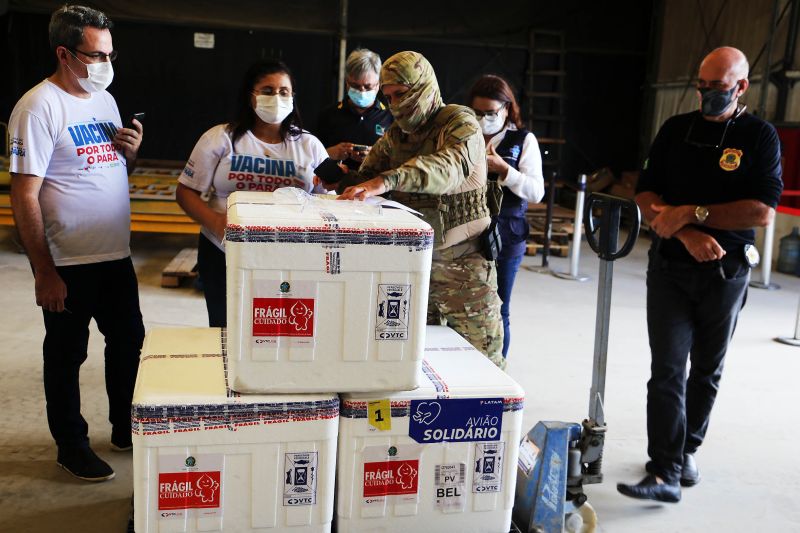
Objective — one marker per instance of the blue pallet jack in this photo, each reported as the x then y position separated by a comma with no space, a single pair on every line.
556,459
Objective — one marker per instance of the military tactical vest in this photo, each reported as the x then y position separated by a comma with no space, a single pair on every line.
446,211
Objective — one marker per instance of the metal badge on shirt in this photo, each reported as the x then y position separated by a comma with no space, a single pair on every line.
731,159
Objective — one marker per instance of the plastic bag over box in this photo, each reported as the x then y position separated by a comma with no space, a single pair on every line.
324,295
208,459
440,458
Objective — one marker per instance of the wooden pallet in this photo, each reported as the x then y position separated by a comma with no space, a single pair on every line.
556,237
559,250
183,266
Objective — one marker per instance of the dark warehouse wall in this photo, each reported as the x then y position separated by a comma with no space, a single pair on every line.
185,90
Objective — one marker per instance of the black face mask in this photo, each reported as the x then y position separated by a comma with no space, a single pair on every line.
714,102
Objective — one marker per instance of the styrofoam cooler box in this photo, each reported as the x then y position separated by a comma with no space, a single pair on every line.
440,458
208,459
324,295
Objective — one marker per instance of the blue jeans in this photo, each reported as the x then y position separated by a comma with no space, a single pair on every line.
691,314
507,268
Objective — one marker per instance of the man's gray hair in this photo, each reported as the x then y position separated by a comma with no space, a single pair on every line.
67,24
361,61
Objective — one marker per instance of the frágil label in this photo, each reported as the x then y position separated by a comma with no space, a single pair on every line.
283,317
456,420
190,484
283,309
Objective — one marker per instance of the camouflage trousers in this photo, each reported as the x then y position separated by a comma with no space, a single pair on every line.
463,296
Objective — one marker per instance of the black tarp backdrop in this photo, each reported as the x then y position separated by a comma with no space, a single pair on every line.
185,90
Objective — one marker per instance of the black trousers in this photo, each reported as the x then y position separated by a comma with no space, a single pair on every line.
211,266
109,293
691,315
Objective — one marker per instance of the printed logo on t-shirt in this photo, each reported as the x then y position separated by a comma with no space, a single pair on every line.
731,159
94,144
255,173
16,146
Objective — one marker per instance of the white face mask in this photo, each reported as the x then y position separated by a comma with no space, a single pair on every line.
273,108
492,125
99,76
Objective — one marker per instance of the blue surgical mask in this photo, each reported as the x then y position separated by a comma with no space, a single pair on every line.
365,99
714,102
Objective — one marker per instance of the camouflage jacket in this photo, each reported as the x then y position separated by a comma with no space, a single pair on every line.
435,159
443,162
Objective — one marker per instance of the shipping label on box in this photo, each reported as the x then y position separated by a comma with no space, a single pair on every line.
300,482
391,471
488,474
449,481
456,420
282,309
190,484
392,312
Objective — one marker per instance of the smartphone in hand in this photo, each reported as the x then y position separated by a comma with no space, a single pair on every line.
137,116
329,171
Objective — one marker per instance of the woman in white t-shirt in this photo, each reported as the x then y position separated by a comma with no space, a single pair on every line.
264,149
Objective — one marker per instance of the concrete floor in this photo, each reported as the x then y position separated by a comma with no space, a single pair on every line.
749,467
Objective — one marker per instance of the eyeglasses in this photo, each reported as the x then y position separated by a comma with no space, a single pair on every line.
95,55
490,114
688,139
269,91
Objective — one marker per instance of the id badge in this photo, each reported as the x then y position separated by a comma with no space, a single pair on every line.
751,255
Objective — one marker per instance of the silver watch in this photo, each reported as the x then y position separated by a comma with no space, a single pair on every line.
700,214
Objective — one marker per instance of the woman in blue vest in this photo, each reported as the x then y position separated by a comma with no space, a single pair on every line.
515,162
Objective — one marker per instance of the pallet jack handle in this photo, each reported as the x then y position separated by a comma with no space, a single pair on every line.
612,209
603,237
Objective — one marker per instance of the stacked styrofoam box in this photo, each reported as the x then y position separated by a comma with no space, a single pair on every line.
324,295
440,458
208,459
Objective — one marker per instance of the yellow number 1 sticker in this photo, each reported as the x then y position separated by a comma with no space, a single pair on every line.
379,413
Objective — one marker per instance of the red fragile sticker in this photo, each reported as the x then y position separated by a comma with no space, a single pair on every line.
283,317
391,477
188,490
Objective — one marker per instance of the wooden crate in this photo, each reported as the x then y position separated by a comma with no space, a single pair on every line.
183,266
558,250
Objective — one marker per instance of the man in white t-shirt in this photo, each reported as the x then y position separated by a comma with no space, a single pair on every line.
70,160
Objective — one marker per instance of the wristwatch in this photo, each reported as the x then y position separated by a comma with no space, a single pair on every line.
700,214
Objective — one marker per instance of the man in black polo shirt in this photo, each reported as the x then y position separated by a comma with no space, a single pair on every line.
350,128
711,177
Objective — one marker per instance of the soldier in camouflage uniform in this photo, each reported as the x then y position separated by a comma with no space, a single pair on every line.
433,159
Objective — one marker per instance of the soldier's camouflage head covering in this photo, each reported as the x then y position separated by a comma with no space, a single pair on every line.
423,99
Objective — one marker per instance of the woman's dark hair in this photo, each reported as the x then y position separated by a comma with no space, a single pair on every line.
292,125
496,88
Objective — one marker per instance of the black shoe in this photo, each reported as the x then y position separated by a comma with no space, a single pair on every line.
121,441
84,464
650,489
690,475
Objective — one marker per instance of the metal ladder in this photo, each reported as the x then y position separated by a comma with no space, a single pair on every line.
545,94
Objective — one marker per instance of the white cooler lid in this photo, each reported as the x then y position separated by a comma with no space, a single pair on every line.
462,398
182,373
291,215
452,368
